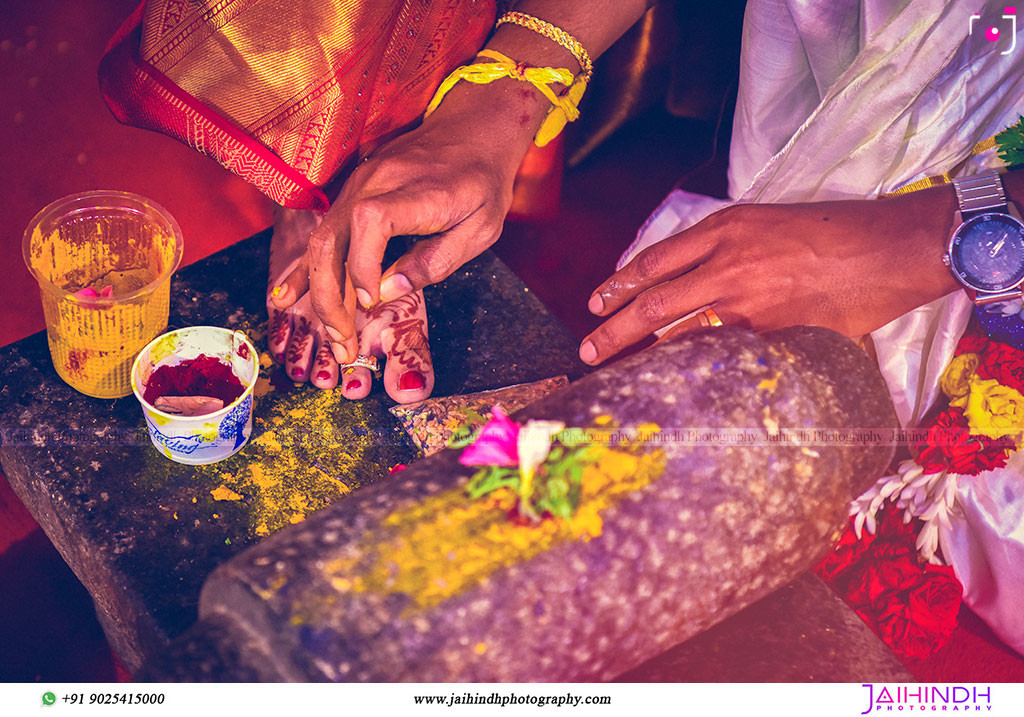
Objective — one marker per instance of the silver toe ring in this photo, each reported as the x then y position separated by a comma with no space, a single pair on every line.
363,361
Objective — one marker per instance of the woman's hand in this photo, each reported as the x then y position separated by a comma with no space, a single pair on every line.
851,266
450,179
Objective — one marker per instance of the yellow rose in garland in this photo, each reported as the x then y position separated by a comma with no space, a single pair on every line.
956,381
994,410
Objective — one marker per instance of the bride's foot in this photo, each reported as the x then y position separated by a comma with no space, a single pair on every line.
395,332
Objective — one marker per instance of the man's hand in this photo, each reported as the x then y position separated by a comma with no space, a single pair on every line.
851,266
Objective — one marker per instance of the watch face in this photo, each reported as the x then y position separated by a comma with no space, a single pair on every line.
987,252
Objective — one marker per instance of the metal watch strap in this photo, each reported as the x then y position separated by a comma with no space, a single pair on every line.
980,193
981,298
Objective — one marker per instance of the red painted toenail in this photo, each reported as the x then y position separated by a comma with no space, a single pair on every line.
280,358
411,381
297,372
323,376
354,384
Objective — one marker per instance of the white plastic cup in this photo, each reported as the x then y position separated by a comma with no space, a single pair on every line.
212,437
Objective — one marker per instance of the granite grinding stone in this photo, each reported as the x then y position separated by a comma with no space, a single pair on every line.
719,529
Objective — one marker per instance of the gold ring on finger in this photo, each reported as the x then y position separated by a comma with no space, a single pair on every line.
709,317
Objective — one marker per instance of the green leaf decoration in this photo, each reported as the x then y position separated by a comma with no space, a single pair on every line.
1011,144
557,483
490,478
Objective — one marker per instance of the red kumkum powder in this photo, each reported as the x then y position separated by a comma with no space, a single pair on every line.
202,376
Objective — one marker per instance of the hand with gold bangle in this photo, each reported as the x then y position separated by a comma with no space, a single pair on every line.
450,179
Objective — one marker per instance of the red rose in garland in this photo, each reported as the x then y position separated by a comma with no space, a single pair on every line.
935,603
912,607
1003,363
923,620
948,444
891,567
842,568
846,552
889,563
972,344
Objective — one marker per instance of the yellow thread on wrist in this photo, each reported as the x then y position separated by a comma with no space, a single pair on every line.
553,33
539,77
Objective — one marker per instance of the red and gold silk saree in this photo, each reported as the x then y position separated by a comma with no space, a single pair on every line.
286,94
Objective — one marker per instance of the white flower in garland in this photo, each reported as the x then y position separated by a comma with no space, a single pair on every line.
931,497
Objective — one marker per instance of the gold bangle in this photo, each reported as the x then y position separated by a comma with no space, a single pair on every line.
555,34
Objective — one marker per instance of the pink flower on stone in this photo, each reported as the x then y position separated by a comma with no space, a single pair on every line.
496,443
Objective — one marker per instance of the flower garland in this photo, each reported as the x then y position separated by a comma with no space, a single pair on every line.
913,609
981,425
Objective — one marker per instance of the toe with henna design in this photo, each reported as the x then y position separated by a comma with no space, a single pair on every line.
394,332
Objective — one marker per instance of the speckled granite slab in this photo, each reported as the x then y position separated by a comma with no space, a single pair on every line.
143,533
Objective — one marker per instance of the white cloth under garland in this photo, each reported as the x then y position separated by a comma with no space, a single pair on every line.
851,99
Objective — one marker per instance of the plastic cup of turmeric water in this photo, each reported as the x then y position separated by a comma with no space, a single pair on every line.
103,261
195,386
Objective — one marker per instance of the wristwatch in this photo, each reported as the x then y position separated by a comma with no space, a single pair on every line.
986,251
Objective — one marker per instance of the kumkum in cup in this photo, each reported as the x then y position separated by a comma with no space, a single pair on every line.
103,261
208,437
